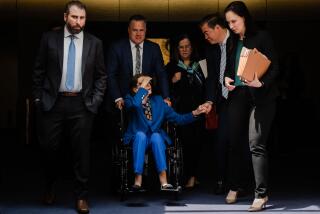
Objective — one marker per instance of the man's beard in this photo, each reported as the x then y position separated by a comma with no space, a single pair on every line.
74,30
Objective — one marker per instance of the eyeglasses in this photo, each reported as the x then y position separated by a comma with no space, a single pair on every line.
184,47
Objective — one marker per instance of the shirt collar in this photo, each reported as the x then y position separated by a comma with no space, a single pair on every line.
67,34
225,39
133,45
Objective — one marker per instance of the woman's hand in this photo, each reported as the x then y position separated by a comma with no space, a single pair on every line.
176,77
145,81
254,83
201,109
228,81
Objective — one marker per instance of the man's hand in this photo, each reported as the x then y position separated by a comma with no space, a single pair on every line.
167,100
120,104
207,106
228,81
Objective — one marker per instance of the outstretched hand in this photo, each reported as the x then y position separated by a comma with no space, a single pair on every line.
207,106
201,109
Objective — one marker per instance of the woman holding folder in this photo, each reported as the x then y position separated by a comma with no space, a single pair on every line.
251,104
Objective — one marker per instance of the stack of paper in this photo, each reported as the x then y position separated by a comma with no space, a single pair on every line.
252,61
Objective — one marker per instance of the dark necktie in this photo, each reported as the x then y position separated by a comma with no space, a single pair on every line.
147,109
71,64
138,60
222,69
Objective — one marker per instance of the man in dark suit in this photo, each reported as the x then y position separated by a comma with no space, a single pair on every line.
220,38
69,81
128,57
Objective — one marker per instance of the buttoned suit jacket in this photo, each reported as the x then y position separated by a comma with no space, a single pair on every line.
120,71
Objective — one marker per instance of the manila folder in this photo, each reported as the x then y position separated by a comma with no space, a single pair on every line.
252,61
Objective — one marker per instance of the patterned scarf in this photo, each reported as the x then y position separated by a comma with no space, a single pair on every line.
147,109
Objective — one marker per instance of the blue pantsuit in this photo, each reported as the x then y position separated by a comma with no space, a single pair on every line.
141,143
143,133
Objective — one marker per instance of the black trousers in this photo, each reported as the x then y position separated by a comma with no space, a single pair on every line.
221,142
69,117
249,122
192,138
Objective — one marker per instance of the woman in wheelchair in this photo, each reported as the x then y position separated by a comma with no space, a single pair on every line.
147,113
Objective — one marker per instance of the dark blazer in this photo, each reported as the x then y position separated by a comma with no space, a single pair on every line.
48,70
120,71
262,41
187,93
161,112
213,55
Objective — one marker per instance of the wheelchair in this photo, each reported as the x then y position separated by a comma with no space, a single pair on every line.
122,162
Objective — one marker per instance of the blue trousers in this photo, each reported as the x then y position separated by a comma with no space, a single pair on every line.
141,143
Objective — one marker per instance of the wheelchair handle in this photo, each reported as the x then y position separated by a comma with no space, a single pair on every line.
122,122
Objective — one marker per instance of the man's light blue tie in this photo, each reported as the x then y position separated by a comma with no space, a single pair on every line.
71,64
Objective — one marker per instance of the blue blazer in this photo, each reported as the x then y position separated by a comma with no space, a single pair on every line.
161,112
119,68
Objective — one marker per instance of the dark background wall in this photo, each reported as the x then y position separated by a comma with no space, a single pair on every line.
291,23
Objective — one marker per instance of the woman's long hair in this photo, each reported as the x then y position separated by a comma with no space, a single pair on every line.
240,8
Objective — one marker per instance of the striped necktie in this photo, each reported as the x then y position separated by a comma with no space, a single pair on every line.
222,69
138,60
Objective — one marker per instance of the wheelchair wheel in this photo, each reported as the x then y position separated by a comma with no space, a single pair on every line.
115,169
175,166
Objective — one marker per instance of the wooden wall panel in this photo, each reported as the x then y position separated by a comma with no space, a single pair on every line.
98,10
103,10
191,10
293,9
7,10
45,10
160,10
152,10
257,8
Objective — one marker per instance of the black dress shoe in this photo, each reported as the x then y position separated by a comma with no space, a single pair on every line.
137,188
49,198
220,188
82,206
49,195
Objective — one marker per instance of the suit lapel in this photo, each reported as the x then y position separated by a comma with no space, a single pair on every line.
145,58
85,51
128,57
60,42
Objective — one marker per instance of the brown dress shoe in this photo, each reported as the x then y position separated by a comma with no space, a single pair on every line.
82,206
49,197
